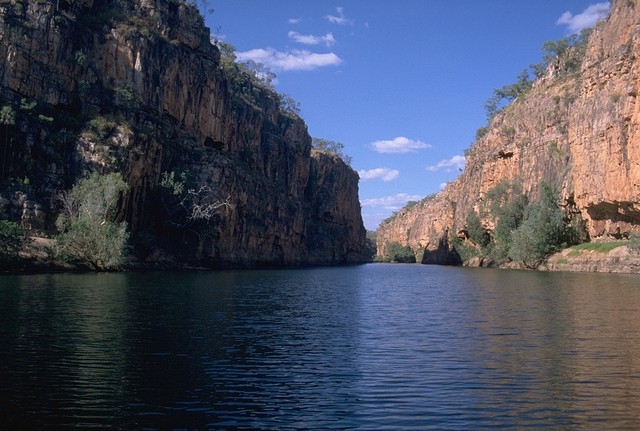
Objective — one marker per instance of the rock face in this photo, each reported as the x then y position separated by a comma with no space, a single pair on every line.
578,131
137,87
619,260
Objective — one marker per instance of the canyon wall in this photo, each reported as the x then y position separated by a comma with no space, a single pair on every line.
137,87
579,131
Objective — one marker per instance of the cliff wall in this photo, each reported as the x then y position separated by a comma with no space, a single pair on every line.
579,131
137,87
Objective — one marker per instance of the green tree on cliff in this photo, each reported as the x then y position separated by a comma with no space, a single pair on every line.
398,253
543,231
330,147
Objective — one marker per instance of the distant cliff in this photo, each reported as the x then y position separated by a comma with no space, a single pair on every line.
578,131
136,87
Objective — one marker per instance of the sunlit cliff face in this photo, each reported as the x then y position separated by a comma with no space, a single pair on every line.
578,131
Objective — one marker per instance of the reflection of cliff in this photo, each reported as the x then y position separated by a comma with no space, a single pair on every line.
573,341
579,131
137,87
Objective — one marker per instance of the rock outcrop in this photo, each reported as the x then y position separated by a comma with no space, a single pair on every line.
618,260
578,131
136,86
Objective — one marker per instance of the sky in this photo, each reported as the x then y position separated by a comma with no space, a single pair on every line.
403,83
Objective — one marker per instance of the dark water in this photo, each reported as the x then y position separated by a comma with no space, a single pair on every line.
394,347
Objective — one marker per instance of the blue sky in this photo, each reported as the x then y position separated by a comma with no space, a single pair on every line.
402,84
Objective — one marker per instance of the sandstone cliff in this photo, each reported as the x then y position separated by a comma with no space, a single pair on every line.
579,131
137,87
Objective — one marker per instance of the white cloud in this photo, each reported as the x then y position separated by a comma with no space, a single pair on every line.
291,60
399,145
340,18
394,202
295,20
385,174
588,18
327,39
457,162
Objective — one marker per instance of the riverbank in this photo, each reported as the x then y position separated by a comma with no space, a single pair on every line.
617,260
38,256
605,257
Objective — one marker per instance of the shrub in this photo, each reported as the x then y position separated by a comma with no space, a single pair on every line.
90,234
543,230
12,239
464,250
506,205
330,147
477,232
398,253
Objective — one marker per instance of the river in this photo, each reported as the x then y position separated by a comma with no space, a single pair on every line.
371,347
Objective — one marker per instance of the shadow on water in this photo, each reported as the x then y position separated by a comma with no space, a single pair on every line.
366,347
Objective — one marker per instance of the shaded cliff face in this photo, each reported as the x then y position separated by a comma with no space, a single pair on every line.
579,131
137,87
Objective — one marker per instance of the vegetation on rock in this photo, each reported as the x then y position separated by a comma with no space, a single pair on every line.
330,147
397,253
90,233
524,232
12,238
566,53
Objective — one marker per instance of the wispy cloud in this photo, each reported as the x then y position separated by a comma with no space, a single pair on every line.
456,162
327,39
339,18
290,60
384,174
399,145
394,202
295,20
588,18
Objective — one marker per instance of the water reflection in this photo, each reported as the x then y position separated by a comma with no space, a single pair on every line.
369,347
63,362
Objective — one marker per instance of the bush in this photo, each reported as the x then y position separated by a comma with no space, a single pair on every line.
12,239
102,246
398,253
90,235
330,147
477,232
464,250
543,230
506,205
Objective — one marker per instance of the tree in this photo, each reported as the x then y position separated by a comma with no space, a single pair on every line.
543,230
398,253
186,205
330,147
90,233
477,232
506,94
506,205
289,104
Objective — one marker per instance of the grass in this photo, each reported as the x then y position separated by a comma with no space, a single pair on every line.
599,247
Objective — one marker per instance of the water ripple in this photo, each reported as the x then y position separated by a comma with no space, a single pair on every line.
377,347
